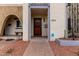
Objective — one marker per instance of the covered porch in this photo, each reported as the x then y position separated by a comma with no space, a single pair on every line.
12,28
38,22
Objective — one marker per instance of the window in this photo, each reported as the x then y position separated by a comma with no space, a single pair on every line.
18,24
18,33
9,24
69,4
69,24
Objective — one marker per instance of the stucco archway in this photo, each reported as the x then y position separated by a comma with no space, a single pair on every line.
8,19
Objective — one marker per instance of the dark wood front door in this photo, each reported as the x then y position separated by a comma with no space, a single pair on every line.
37,26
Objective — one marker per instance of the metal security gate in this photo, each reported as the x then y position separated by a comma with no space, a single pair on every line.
73,20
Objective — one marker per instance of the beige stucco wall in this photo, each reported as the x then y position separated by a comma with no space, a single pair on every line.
57,20
9,10
26,15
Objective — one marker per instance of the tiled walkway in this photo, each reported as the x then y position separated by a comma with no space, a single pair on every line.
38,47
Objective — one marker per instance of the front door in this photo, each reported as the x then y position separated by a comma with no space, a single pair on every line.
37,26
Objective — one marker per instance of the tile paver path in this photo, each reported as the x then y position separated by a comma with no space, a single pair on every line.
38,48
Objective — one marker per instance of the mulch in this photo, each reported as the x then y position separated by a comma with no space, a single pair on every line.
15,49
64,50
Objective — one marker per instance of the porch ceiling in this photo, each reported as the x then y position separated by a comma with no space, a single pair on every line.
39,11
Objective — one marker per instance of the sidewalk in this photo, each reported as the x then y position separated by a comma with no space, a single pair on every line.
38,48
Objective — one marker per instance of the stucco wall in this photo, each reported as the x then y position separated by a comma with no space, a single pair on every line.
26,16
57,20
9,10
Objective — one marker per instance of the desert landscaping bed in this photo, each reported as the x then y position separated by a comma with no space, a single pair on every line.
68,41
64,50
15,49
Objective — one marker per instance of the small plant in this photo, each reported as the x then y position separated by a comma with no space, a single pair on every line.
9,50
1,39
77,53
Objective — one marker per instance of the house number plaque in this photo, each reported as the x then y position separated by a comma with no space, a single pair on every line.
53,20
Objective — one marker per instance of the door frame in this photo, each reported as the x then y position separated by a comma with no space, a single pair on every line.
30,7
40,27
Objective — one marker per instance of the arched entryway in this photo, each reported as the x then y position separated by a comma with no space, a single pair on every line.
12,26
